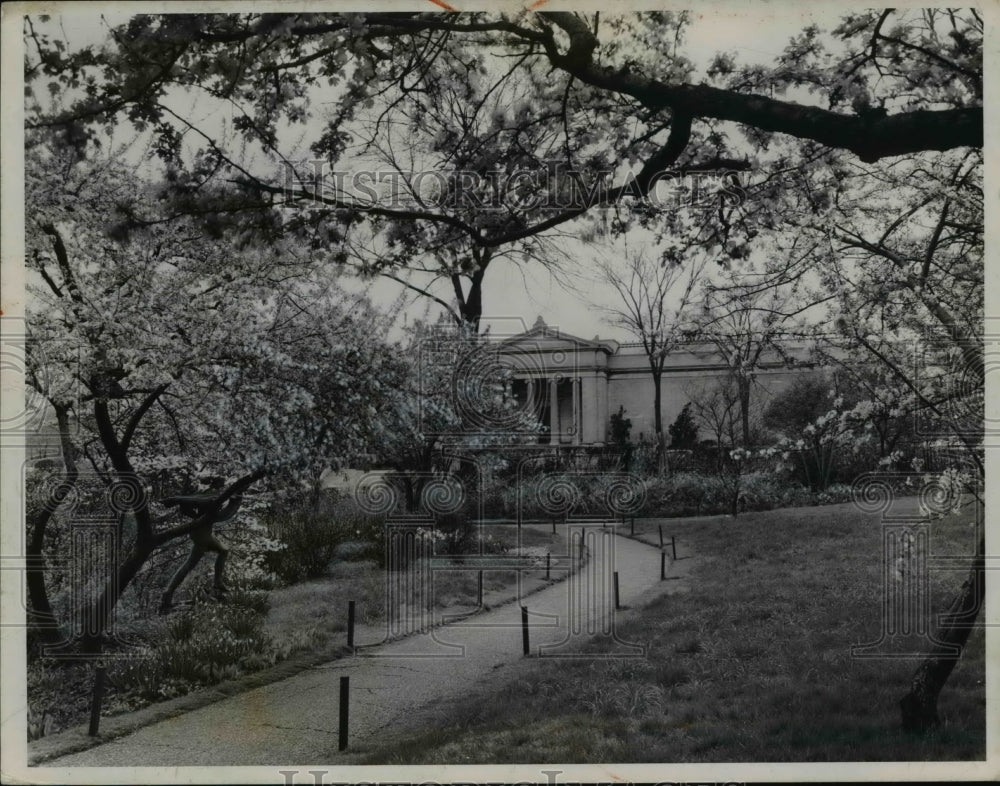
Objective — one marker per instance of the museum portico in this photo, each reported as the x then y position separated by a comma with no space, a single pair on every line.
574,385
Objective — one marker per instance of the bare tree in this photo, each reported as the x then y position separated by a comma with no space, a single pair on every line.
716,406
654,298
744,323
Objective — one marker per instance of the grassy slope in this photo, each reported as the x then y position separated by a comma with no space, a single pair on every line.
753,663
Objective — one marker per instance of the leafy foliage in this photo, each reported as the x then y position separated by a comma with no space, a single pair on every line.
684,430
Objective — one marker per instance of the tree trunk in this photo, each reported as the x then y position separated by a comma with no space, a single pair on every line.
470,305
657,399
41,618
474,301
40,615
658,421
744,389
409,492
918,708
96,616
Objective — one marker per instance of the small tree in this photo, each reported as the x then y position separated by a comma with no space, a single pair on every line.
808,418
621,429
653,308
684,431
451,396
716,406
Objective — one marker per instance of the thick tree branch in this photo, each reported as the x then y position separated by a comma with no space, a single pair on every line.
869,137
137,416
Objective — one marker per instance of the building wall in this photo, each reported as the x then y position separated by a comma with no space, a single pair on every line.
634,391
617,375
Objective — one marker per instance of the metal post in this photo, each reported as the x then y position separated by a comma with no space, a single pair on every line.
95,702
660,528
479,590
663,565
345,691
548,564
618,604
350,624
673,547
524,631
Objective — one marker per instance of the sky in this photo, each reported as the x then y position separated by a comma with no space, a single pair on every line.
516,295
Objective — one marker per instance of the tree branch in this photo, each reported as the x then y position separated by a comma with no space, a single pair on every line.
141,410
426,294
214,511
870,138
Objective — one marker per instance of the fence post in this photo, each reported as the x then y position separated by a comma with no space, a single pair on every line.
618,604
96,699
350,624
660,528
548,564
663,565
479,590
673,547
524,631
345,690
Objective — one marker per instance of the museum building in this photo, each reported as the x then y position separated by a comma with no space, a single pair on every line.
575,385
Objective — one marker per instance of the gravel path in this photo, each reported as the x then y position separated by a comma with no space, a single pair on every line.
296,720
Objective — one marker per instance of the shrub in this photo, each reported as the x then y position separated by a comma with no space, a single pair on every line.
39,724
694,494
242,622
181,627
683,431
310,533
370,530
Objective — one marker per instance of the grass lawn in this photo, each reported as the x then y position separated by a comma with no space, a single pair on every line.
751,664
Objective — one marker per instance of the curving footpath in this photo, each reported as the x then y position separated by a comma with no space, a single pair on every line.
296,720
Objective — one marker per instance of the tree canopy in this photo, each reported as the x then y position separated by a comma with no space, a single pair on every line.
517,122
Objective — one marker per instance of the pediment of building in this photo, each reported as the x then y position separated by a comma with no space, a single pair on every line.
547,339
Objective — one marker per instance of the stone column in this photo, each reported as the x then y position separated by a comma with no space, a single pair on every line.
588,409
603,413
553,411
530,405
575,382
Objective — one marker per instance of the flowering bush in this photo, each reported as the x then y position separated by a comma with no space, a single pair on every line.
308,533
693,494
202,646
